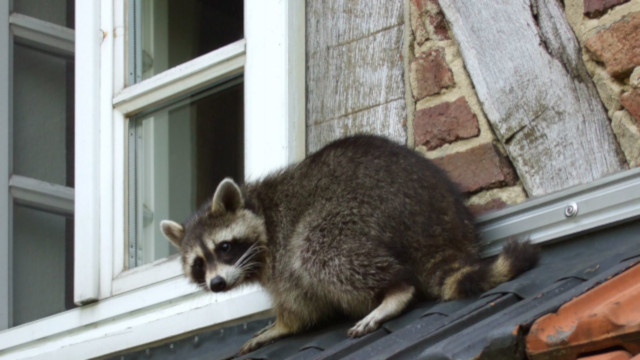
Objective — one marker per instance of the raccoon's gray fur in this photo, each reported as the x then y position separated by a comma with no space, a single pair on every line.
360,228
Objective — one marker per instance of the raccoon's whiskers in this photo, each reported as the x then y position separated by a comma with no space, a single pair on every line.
245,263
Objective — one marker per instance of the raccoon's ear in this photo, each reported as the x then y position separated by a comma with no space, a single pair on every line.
173,231
227,198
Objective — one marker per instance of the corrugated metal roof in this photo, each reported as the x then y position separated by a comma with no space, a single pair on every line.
492,326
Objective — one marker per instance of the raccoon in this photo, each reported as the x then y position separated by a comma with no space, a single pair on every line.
360,228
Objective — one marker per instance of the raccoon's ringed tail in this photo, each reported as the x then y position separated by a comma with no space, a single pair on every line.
469,280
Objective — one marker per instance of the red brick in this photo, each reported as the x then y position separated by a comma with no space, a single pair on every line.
445,123
420,33
427,21
595,8
631,101
429,74
421,5
479,168
438,26
618,46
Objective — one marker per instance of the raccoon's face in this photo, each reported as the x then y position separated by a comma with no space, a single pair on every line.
222,245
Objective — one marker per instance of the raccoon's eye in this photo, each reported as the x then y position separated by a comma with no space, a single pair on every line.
224,246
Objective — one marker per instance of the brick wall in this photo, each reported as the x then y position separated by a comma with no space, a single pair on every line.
445,118
609,32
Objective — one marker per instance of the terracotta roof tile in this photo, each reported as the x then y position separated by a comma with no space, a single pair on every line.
606,317
613,355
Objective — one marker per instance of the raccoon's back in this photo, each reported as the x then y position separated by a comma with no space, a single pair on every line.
380,184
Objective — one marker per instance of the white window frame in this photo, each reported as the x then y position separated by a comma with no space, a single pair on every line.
274,84
123,309
58,40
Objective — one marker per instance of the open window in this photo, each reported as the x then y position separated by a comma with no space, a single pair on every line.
169,99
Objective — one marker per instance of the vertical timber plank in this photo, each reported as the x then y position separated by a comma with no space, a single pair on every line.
354,75
526,67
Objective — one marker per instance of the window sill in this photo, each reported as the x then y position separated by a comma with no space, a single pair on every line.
157,312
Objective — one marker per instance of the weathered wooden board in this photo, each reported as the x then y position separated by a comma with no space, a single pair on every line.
385,119
535,91
354,69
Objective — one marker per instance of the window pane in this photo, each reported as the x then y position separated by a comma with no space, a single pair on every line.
59,12
177,156
43,116
168,33
42,278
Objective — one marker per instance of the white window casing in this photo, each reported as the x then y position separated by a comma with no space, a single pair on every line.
87,151
274,116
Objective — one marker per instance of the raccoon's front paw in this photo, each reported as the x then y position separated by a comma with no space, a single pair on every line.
250,346
363,327
264,329
268,334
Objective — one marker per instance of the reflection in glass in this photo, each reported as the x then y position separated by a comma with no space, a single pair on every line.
168,33
42,116
177,155
59,12
42,277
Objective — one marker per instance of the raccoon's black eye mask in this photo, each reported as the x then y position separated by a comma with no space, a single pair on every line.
197,270
230,251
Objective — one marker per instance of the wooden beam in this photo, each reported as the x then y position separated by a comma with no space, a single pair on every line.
526,66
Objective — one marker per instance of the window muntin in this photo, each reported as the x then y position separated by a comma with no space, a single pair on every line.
177,155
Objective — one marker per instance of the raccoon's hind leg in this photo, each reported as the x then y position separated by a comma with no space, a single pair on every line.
394,302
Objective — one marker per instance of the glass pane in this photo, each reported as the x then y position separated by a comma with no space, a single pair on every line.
168,33
42,277
59,12
177,156
42,116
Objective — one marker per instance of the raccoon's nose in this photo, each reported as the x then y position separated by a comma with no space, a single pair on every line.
217,284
